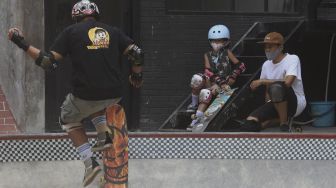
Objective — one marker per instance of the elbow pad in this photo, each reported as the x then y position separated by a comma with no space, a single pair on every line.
47,61
240,68
136,55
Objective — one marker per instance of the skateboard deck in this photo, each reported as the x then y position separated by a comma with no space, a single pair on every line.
213,110
115,159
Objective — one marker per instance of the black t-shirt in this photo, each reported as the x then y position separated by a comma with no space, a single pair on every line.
95,50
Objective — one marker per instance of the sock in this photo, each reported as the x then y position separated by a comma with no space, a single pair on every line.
100,124
84,151
194,100
199,113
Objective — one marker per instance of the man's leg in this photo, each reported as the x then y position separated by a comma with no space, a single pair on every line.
70,121
255,121
105,135
78,136
284,101
79,139
281,108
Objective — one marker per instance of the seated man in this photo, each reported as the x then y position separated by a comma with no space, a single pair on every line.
281,74
221,70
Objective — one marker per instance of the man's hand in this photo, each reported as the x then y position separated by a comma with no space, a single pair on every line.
136,79
13,31
16,36
255,84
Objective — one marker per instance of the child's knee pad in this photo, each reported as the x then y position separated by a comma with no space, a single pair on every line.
205,96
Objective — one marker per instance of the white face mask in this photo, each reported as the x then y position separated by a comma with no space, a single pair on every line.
216,46
272,55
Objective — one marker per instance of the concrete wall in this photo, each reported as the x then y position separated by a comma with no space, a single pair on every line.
21,80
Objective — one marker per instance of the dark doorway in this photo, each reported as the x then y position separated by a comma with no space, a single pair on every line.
118,13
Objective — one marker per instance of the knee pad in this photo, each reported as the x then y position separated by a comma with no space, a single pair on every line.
205,96
68,127
250,126
197,81
277,92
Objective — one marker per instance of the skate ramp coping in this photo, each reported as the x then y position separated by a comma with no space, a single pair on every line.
179,160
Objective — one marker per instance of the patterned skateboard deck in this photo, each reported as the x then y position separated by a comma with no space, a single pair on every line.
213,109
115,159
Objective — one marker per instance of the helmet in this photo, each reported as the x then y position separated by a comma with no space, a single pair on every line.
219,32
84,8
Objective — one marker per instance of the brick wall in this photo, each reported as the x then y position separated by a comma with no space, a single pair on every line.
174,47
7,121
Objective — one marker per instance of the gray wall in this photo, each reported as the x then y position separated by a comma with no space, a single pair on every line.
21,80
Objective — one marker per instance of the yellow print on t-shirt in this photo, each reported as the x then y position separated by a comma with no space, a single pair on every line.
99,37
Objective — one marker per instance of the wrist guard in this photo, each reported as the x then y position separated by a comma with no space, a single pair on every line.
137,77
240,68
47,61
19,41
208,73
135,55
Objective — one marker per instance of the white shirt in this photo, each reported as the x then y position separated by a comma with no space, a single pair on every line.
289,65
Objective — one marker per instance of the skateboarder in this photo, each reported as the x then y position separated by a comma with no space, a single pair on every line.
281,74
221,70
94,49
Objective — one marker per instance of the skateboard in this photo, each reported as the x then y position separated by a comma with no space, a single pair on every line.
115,159
213,110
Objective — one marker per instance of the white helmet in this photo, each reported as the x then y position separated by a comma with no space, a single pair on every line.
84,8
219,32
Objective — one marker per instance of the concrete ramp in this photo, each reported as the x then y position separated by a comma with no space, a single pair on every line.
179,160
179,173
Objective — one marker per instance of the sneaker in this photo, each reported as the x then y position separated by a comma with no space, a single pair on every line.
194,123
104,141
192,108
284,127
250,126
190,128
92,168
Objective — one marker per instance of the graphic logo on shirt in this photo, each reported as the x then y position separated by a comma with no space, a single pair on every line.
99,37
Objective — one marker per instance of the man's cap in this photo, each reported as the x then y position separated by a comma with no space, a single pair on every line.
273,38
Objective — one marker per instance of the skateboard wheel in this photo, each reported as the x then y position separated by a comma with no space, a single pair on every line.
298,129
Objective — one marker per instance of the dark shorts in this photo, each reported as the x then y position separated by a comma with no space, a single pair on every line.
268,111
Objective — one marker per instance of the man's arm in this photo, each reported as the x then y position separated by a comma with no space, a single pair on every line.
46,60
288,81
136,56
34,52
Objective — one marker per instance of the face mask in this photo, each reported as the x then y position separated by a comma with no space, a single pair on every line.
272,55
216,46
